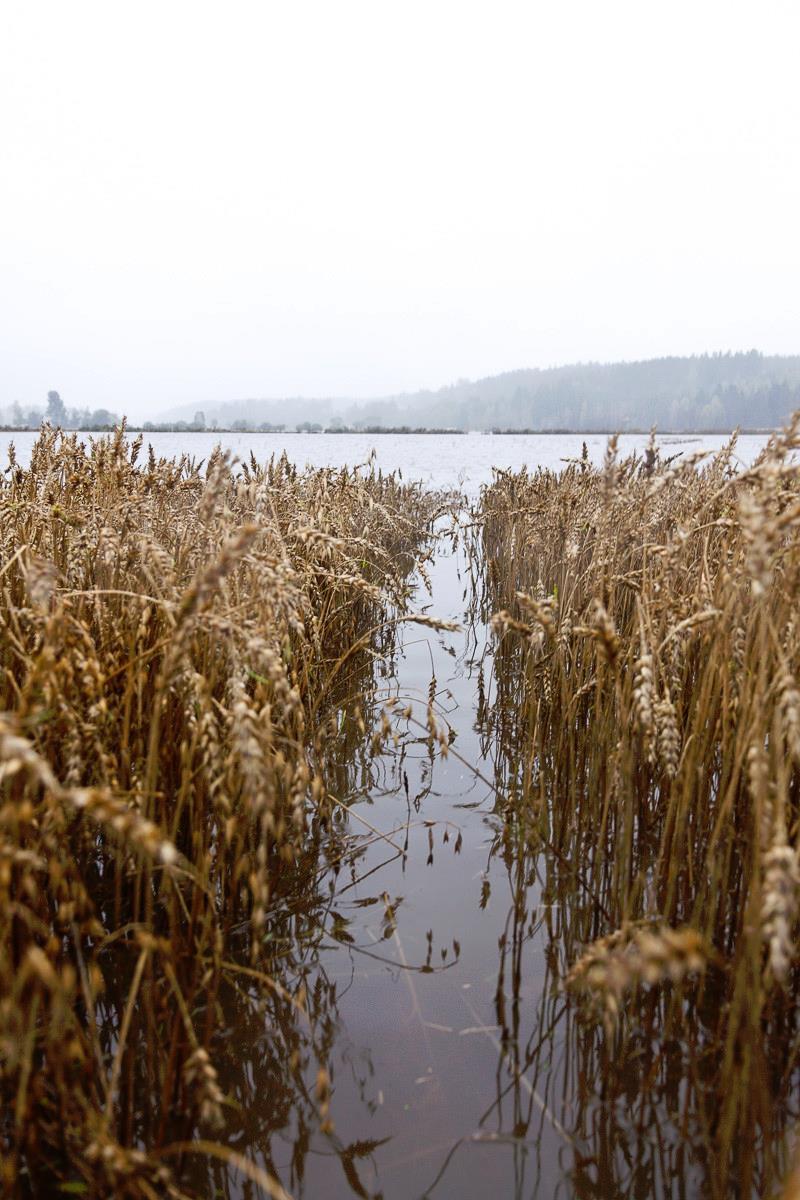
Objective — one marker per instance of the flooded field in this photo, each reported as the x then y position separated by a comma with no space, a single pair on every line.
434,977
440,461
535,934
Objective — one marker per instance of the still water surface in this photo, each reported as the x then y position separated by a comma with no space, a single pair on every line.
428,950
462,461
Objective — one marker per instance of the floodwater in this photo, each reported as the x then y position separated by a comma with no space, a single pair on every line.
449,461
429,1094
423,1022
433,958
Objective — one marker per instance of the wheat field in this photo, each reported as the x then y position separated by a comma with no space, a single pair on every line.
192,666
187,657
645,729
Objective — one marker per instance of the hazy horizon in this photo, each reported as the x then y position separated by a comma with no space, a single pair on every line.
352,202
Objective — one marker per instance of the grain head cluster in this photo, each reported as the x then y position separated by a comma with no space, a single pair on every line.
182,646
644,723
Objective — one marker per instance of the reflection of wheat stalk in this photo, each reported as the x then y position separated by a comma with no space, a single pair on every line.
644,953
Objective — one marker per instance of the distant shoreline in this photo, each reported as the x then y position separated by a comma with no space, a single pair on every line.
404,431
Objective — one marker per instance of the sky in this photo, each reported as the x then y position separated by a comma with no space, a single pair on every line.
201,202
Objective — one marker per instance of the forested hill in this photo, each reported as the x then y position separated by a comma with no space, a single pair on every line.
708,392
704,392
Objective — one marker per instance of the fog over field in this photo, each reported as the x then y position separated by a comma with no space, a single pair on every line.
317,201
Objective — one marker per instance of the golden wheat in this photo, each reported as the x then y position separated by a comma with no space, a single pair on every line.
652,753
174,640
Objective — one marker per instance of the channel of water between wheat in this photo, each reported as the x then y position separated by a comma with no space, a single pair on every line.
427,948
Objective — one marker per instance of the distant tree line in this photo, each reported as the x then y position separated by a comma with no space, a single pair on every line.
199,425
705,392
56,412
677,394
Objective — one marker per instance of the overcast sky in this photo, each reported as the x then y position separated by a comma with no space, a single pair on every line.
206,201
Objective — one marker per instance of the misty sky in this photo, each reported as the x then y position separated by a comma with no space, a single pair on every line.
206,201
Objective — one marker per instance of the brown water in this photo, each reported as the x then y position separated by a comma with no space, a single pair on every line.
430,958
